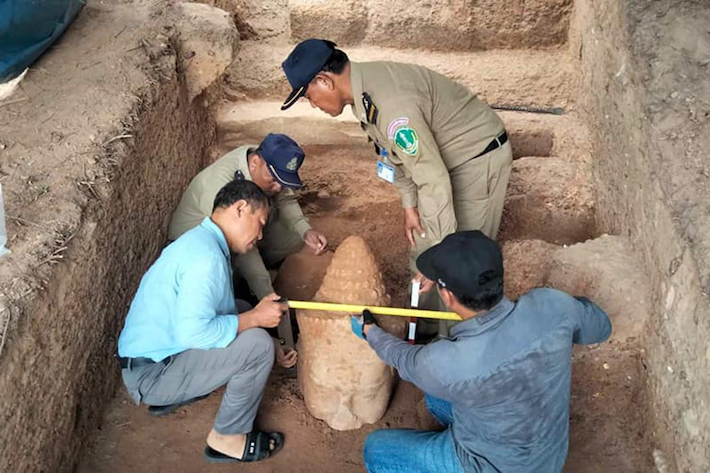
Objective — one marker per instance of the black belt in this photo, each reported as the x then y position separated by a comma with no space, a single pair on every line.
495,144
130,363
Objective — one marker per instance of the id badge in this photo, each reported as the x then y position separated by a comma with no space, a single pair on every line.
385,171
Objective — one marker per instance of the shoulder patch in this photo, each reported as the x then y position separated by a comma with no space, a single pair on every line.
394,124
407,140
371,111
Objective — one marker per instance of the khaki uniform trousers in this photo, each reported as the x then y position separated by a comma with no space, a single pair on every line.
479,187
278,241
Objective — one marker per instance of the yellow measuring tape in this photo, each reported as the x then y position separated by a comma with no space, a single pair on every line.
357,309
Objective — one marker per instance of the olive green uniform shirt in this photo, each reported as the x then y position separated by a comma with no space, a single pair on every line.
428,125
198,200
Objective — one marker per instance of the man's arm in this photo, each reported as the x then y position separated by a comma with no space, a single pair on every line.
593,324
406,186
413,362
251,266
425,171
196,322
291,212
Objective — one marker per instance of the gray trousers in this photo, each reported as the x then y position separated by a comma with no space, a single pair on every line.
244,366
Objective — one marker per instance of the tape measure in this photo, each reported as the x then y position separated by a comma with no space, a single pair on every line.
357,309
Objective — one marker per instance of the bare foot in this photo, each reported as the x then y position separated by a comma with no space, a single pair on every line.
232,445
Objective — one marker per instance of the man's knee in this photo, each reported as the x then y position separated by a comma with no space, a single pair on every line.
256,345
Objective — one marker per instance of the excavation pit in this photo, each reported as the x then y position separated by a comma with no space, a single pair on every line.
110,128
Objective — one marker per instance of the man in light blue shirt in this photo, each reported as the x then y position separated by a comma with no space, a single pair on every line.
500,385
184,336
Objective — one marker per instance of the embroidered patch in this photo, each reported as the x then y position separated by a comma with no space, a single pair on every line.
407,140
394,124
291,165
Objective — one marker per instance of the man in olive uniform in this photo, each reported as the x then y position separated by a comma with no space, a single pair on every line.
273,166
445,150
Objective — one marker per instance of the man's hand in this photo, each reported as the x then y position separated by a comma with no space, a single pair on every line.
361,324
412,224
316,241
266,314
287,360
425,284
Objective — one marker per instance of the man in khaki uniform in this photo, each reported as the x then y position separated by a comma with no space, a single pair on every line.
273,166
445,150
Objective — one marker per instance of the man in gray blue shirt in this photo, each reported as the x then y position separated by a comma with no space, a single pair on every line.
501,384
184,337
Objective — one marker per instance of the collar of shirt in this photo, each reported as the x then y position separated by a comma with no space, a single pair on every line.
356,81
485,321
210,225
243,160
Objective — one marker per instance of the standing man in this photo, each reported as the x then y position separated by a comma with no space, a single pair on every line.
184,336
445,150
273,166
501,384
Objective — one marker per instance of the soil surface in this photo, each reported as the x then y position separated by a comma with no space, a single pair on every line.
607,435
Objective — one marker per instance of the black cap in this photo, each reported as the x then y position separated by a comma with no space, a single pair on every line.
464,263
283,158
303,64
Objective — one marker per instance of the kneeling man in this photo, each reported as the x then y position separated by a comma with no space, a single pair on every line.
272,165
184,336
501,384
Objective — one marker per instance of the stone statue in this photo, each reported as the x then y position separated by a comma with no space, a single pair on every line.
343,382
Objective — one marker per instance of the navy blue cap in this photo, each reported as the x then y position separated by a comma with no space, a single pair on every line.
464,263
283,158
303,64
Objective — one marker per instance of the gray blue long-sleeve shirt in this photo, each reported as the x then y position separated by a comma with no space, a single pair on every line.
507,375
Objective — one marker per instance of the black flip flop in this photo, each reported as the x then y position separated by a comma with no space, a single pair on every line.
160,411
257,448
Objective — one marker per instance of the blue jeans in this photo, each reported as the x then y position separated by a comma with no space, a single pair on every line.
407,450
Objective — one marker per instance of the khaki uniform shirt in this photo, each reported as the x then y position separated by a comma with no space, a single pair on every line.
428,125
198,200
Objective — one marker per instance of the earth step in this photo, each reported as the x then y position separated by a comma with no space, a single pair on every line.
549,199
532,78
250,121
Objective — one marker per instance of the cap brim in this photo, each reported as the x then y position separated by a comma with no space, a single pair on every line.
286,179
294,96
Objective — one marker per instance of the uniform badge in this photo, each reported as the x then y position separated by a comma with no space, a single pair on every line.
407,140
394,124
292,165
371,111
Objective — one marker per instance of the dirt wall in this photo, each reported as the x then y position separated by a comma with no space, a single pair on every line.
644,73
93,165
422,24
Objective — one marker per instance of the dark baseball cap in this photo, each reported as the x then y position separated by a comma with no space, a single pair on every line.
283,158
303,64
464,263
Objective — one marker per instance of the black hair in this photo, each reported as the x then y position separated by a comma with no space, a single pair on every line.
240,189
484,299
336,62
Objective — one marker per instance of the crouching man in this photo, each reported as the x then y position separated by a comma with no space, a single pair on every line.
184,335
500,385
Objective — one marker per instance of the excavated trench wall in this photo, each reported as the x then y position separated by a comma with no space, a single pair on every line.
644,69
58,372
57,369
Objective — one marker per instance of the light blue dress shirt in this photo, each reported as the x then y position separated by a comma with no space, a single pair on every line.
185,300
507,376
